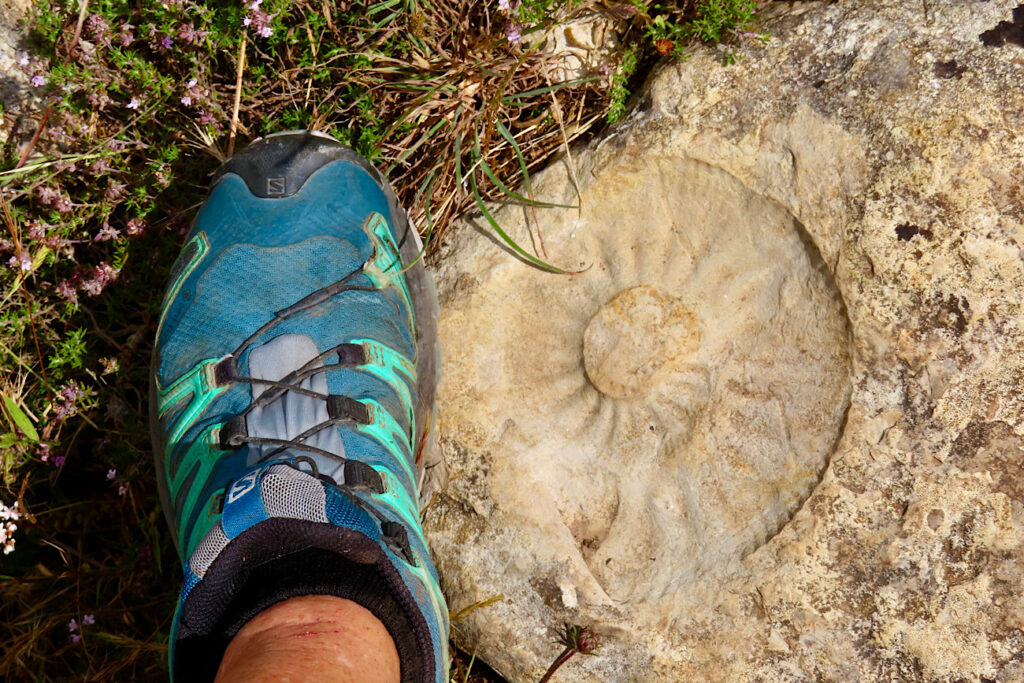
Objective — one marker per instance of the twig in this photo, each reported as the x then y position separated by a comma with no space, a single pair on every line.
238,96
35,138
83,6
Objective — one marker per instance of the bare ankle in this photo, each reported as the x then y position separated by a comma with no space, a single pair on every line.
312,637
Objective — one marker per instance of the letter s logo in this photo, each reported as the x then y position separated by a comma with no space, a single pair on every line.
242,486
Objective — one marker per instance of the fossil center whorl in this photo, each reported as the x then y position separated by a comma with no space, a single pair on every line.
632,337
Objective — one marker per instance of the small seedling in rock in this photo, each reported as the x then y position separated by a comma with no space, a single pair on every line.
575,639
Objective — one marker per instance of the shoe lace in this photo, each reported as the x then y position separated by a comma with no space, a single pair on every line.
357,475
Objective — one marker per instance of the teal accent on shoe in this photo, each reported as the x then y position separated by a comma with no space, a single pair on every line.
195,468
395,369
385,429
198,388
194,251
386,266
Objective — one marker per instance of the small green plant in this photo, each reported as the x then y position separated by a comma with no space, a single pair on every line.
619,91
575,640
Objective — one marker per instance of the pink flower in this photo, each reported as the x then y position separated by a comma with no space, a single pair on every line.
75,637
22,261
88,619
111,473
114,191
186,100
67,290
513,34
38,81
47,195
265,31
135,226
126,36
72,625
165,42
206,118
122,490
37,231
133,103
107,232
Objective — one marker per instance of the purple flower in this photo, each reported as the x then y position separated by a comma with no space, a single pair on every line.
186,100
165,42
504,6
122,490
107,232
114,191
75,637
99,100
111,473
135,227
98,28
102,275
59,462
47,195
36,231
63,204
22,261
38,80
88,619
70,392
23,61
513,34
259,20
206,118
133,103
68,291
189,34
100,167
126,36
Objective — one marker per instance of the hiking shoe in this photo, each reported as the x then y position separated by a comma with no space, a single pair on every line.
292,385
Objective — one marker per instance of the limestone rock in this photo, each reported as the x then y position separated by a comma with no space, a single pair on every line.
12,81
805,272
580,46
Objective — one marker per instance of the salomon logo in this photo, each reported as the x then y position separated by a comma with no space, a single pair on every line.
242,486
276,186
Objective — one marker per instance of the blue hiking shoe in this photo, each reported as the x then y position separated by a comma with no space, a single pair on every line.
293,382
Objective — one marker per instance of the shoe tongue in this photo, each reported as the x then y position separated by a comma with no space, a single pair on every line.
272,490
292,413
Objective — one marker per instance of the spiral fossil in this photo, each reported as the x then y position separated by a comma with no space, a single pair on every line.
675,401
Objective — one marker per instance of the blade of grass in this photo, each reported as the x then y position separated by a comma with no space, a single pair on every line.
511,193
475,192
19,419
510,99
